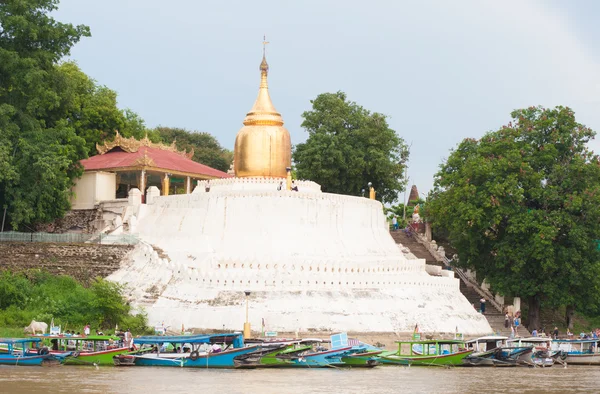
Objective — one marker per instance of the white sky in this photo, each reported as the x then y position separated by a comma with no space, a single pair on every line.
442,70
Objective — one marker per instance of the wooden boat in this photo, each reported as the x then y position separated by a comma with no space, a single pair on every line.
427,353
577,351
541,354
191,351
18,352
273,354
321,357
484,351
85,350
499,357
308,353
366,359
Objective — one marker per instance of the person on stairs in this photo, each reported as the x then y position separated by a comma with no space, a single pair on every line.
482,305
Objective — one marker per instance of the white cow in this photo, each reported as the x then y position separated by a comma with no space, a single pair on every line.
36,326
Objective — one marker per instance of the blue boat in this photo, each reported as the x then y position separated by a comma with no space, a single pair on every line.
324,358
17,352
339,354
189,351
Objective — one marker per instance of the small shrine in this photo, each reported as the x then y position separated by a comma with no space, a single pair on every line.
126,163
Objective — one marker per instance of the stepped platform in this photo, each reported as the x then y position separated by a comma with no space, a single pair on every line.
494,316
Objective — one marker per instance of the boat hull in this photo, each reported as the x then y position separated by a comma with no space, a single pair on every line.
94,358
433,360
582,359
362,360
330,358
211,360
7,359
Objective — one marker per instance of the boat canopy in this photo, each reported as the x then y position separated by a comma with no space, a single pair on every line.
83,337
576,340
531,339
19,340
235,338
488,338
434,341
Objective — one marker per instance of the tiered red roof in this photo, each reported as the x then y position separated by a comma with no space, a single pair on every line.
153,158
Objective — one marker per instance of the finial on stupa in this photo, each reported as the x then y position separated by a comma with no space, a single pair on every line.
264,66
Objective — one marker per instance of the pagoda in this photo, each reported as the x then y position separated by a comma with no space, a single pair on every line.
245,251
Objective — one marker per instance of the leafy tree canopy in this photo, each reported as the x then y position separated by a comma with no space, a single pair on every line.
39,153
207,149
348,147
92,110
51,114
522,207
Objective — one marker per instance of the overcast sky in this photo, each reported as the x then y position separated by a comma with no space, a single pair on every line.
441,70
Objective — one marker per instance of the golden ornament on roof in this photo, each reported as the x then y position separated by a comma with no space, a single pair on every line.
132,145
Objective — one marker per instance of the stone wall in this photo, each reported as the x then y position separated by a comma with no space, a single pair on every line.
82,261
77,221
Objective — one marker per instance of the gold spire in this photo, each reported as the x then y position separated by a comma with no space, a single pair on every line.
263,145
263,112
264,66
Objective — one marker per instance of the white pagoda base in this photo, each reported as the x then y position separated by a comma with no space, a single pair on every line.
311,260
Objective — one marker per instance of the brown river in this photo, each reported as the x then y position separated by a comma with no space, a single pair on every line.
388,379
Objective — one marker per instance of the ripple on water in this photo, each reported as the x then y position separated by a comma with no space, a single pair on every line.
378,380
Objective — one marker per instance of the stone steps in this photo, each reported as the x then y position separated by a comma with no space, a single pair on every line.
415,247
493,316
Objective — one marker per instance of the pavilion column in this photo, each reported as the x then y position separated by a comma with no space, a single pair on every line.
165,185
143,181
188,185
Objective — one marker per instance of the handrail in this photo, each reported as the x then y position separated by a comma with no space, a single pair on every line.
468,281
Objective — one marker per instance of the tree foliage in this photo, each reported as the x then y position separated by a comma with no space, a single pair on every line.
51,114
348,147
92,111
39,153
207,150
41,296
522,207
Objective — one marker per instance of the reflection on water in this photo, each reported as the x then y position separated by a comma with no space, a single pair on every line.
378,380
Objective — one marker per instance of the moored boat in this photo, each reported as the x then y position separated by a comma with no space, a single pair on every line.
577,351
484,354
273,354
427,353
193,351
85,350
18,352
541,354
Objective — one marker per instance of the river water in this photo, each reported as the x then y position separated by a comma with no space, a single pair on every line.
389,379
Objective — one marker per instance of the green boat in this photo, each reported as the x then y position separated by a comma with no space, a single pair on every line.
85,350
273,355
427,353
365,359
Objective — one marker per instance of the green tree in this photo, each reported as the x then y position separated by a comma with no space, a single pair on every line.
522,207
39,154
207,150
348,147
92,110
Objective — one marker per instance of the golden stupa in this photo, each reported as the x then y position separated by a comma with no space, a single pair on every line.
262,147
